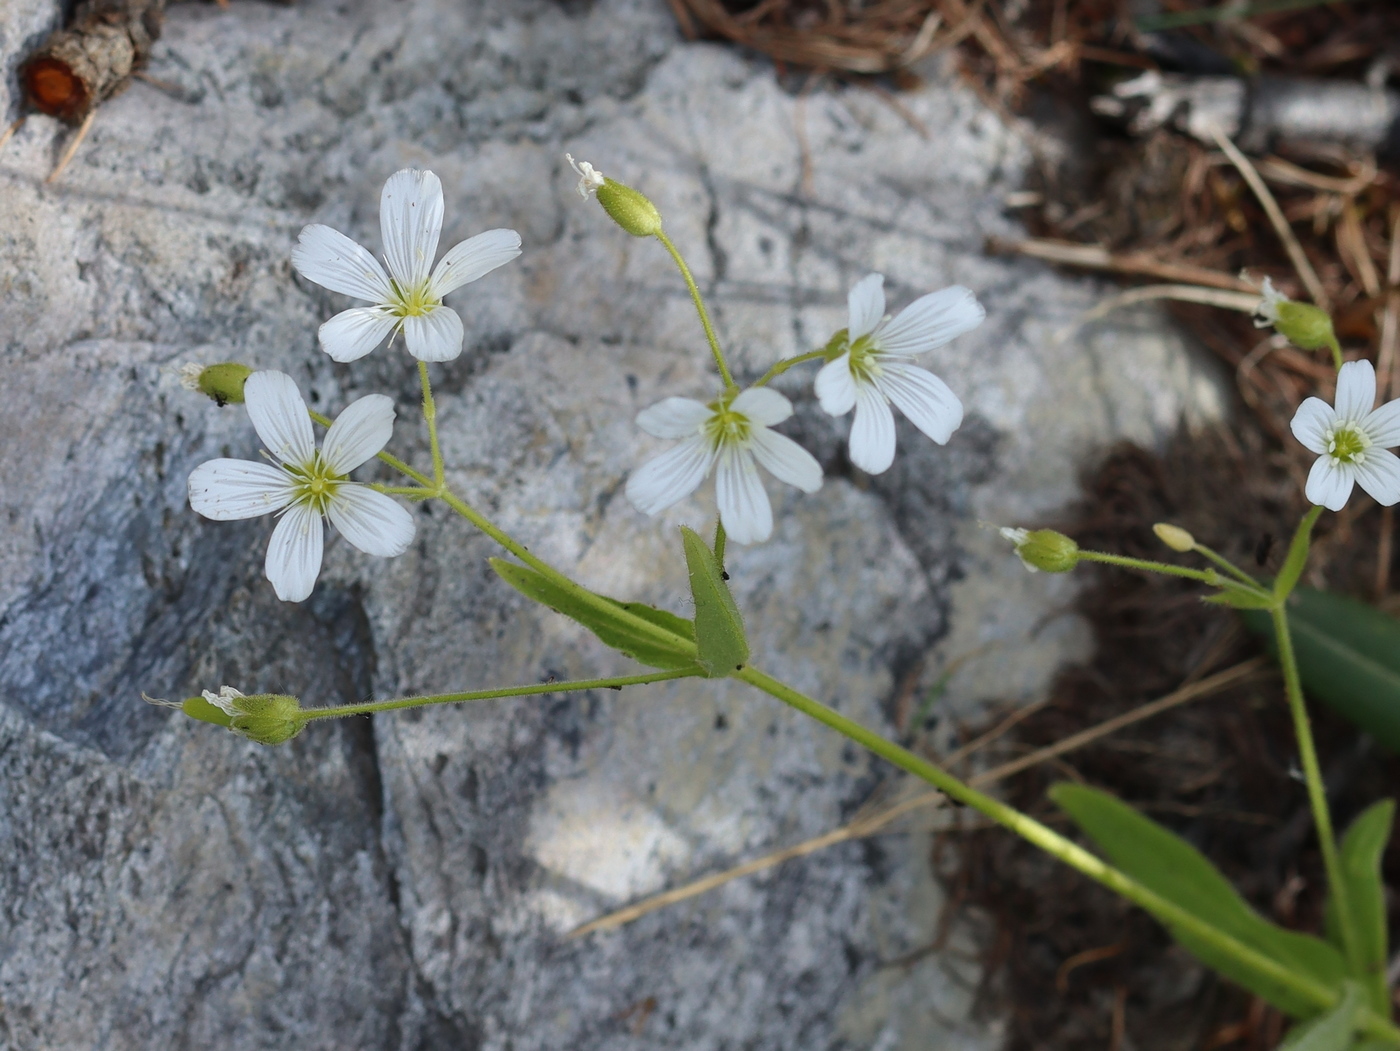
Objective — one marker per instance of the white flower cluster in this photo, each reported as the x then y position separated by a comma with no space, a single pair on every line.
869,368
873,368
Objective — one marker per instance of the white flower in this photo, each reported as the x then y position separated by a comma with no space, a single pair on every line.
590,179
189,374
304,484
731,436
875,368
409,297
1351,440
1266,313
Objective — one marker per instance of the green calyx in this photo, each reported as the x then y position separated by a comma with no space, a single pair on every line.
629,208
266,718
223,382
1304,325
1045,549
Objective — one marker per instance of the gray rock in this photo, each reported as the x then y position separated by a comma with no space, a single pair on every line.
409,881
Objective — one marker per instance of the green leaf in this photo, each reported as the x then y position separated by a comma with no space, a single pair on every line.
199,708
1331,1031
1348,658
1239,597
1362,849
719,629
1167,864
649,636
1297,556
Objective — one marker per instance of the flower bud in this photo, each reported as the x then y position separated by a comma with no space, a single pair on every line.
1302,324
267,718
222,382
1044,549
1174,537
629,208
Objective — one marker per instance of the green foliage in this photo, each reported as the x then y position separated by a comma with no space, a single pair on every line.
1330,1031
1168,865
719,627
1362,849
1348,658
648,635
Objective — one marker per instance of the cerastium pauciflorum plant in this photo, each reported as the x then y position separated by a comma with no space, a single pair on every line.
1335,988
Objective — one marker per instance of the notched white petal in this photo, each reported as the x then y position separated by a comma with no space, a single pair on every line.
836,387
410,220
931,321
872,432
229,490
673,418
333,261
743,505
371,521
279,416
434,336
1311,424
786,461
1356,390
1329,483
358,433
1383,425
762,405
865,304
474,258
352,334
925,399
1378,472
294,554
671,477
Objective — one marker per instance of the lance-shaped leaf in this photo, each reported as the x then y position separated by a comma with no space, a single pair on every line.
648,635
1348,658
1167,864
1331,1031
719,628
1362,849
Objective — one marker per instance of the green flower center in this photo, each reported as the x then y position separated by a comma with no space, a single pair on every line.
413,302
1347,444
726,427
314,484
865,364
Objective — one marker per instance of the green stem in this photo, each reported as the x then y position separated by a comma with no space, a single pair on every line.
699,308
1317,793
430,417
392,461
1229,567
617,682
1205,576
1066,850
416,492
782,366
720,538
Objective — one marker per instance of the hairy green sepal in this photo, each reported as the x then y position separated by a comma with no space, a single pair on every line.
648,635
719,627
1167,864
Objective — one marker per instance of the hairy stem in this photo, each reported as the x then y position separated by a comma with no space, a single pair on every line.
699,309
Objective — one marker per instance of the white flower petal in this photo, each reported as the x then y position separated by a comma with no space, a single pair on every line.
866,304
294,553
836,387
371,521
1378,472
743,505
473,258
785,460
1329,483
1382,426
359,432
227,490
674,418
872,431
279,416
928,402
352,334
762,405
434,336
930,321
671,477
1312,422
410,220
1356,390
333,261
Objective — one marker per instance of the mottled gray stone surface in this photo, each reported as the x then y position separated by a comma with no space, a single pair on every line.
407,882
